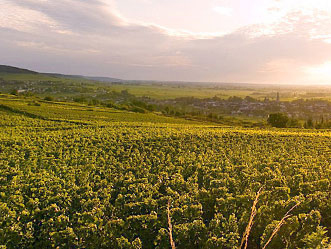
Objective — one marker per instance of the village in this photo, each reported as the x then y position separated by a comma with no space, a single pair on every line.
251,107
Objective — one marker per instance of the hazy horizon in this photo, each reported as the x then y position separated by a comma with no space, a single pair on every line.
260,42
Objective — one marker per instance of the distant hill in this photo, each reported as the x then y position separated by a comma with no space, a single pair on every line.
102,79
10,69
16,70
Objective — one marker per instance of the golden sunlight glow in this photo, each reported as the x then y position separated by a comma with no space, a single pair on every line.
321,72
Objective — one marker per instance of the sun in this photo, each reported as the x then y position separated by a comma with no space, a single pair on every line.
321,72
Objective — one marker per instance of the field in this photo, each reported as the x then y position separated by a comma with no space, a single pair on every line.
75,176
171,90
68,87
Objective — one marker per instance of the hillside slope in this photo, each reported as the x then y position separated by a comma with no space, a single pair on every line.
10,69
75,176
5,69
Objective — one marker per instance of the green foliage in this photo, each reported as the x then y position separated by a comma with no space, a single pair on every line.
49,98
224,233
80,99
279,120
317,239
318,124
14,92
309,123
137,109
78,176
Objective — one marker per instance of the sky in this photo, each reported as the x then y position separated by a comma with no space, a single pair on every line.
253,41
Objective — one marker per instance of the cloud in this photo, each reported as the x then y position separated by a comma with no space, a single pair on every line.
15,17
91,37
225,11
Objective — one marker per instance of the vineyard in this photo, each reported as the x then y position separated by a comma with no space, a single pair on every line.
76,176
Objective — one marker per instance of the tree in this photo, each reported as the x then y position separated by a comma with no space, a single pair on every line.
49,98
294,123
279,120
250,99
309,123
14,92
